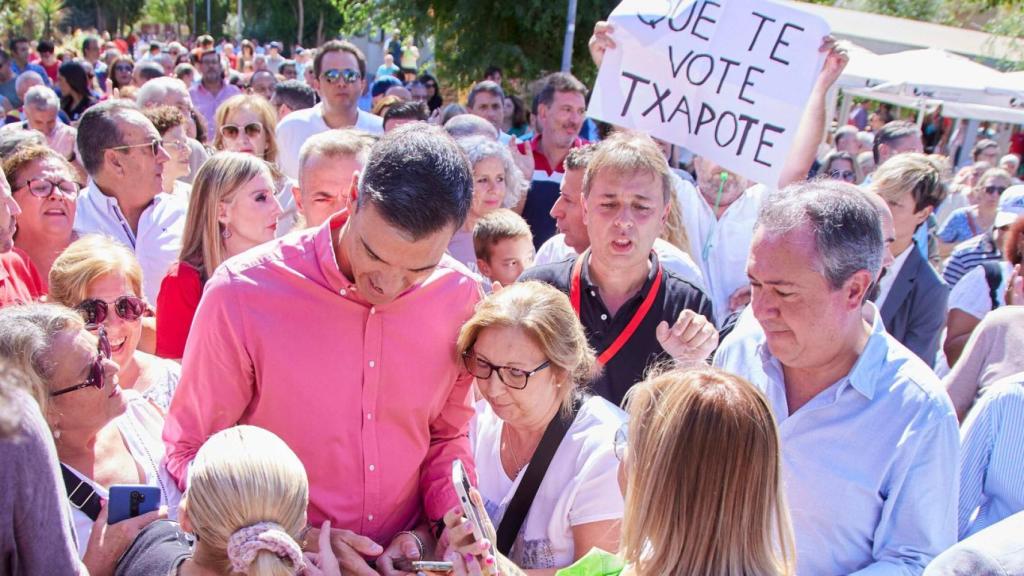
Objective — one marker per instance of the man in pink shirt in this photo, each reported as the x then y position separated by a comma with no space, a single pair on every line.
212,90
341,340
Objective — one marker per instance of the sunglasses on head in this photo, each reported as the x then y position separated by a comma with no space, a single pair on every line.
95,311
97,376
349,75
231,131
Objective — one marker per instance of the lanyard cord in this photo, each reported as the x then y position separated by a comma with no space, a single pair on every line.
718,200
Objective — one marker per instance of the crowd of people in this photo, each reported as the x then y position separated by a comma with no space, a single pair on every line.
291,296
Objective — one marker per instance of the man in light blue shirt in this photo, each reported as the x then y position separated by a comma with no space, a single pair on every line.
869,437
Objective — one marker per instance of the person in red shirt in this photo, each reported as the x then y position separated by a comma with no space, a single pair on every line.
232,209
19,280
47,59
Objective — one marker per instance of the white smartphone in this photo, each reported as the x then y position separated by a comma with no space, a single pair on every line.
461,483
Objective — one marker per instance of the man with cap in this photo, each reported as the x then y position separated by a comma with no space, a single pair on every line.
274,57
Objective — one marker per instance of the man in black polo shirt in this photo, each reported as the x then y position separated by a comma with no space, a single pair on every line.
635,312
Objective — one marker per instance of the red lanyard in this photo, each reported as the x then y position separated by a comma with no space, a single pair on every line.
574,297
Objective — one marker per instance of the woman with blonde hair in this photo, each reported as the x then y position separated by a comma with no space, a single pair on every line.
102,280
722,514
530,357
246,124
232,209
497,183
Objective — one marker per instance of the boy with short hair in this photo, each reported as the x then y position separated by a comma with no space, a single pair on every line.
503,245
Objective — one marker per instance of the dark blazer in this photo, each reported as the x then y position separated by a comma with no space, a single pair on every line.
914,312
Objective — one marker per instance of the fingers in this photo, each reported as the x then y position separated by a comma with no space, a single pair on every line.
360,544
326,554
687,326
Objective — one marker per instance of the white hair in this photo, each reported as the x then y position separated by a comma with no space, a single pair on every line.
25,77
154,92
42,98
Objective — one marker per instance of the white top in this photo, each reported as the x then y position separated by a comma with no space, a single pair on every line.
972,295
889,278
721,245
157,244
140,427
461,248
991,461
869,464
289,209
673,259
294,129
580,486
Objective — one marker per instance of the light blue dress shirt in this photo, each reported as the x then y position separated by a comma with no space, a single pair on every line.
870,463
992,457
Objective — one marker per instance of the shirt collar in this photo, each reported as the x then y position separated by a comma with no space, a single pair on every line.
540,160
585,273
326,255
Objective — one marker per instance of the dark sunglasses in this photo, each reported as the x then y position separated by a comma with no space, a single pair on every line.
997,190
123,68
94,311
349,75
252,130
154,146
97,376
846,175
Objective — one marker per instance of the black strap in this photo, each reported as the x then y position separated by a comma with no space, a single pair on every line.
81,495
514,516
994,277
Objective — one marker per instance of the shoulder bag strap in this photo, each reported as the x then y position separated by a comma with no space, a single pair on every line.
521,501
81,495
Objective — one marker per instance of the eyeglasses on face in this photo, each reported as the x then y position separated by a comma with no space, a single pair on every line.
231,131
95,311
996,190
123,68
349,75
178,145
845,175
154,146
516,378
97,375
42,188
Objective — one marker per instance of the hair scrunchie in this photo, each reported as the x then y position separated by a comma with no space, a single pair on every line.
246,543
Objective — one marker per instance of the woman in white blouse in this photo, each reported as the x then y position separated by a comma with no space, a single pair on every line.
529,355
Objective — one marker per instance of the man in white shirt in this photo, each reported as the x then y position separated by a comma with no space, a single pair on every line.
573,239
168,91
869,438
340,70
122,153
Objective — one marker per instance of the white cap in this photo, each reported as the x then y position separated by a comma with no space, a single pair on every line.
1011,205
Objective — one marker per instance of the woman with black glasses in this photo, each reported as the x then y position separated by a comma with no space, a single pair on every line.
104,435
102,280
530,356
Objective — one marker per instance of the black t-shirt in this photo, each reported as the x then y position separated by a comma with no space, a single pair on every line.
158,550
643,349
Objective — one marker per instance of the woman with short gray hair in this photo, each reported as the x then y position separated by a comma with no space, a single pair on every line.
497,183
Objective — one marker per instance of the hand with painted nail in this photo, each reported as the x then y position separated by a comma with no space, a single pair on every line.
467,554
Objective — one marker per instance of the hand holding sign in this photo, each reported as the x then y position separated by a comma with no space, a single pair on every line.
728,79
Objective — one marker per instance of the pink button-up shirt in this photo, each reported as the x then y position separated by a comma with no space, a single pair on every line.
373,400
206,103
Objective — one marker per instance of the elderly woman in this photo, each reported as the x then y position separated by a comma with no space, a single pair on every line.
970,221
530,356
173,128
701,473
497,183
839,165
233,208
44,186
102,280
104,435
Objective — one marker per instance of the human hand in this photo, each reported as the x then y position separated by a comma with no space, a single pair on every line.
1015,287
523,160
324,562
601,41
404,546
461,547
350,550
739,298
690,341
435,117
835,62
6,105
108,542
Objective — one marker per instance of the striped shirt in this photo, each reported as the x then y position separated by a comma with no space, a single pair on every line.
967,255
991,462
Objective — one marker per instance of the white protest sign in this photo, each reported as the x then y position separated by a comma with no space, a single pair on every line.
727,79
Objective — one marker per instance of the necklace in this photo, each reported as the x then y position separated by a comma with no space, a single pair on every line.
512,451
152,462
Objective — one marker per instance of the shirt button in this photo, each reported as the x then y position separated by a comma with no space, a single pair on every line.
342,291
592,293
372,467
604,316
373,310
372,363
369,416
370,517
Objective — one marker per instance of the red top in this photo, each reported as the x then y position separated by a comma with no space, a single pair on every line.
175,307
20,282
51,69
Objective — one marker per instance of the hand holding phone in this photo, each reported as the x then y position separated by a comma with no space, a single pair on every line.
131,500
474,514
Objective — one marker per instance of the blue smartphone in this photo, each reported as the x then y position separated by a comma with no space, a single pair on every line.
131,500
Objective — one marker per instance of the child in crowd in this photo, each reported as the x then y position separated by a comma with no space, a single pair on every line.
503,245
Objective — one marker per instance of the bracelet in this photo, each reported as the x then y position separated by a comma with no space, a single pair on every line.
419,542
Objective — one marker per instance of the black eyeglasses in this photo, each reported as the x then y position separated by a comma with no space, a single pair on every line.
845,175
94,311
155,146
97,375
516,378
996,190
42,188
252,130
349,75
621,441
